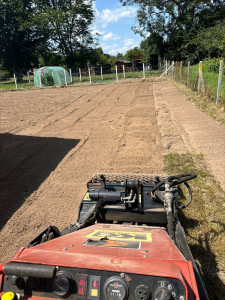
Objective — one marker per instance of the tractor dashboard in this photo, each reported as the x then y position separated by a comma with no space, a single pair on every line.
78,284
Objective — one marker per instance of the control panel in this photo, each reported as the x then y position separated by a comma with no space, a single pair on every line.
78,284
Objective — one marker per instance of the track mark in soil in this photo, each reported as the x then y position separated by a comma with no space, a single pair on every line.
198,131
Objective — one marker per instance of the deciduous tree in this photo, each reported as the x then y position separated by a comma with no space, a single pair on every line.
178,21
69,23
21,39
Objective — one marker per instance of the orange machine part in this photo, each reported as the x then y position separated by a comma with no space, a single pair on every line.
156,256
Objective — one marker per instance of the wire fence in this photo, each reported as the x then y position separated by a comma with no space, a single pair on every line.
16,82
81,77
207,83
197,77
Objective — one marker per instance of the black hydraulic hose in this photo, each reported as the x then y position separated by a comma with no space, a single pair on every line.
159,197
96,211
182,206
190,197
88,214
187,177
175,180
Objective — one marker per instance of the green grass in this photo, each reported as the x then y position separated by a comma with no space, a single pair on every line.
210,80
203,220
107,78
112,77
21,83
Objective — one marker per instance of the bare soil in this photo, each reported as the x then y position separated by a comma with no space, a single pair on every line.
53,140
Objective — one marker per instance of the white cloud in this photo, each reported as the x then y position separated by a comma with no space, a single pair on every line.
96,31
129,43
119,48
114,15
110,36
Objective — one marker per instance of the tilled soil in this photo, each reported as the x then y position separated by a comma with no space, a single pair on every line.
52,141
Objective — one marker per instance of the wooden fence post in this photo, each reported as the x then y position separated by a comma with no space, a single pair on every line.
188,75
28,75
172,67
53,78
65,77
219,82
116,75
71,79
181,67
124,72
201,86
80,74
89,72
144,70
101,73
14,75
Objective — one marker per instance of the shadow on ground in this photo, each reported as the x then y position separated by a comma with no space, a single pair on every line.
203,253
25,162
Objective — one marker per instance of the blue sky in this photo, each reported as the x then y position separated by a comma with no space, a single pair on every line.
113,22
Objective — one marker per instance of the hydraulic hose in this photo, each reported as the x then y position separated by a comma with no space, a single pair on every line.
175,180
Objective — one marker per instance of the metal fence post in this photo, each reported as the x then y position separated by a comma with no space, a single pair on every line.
219,82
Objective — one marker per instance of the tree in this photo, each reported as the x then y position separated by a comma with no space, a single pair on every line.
153,45
134,52
207,43
69,23
177,21
22,40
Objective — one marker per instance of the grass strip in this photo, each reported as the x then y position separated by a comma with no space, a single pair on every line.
217,112
203,220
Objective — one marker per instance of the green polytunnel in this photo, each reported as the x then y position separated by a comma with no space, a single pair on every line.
50,76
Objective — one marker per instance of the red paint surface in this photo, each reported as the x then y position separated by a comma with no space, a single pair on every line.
160,257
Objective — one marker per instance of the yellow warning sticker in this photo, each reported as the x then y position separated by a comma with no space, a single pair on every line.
86,197
121,235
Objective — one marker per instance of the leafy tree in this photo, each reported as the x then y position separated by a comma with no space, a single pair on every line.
22,40
97,57
69,23
119,55
207,43
153,45
178,22
134,52
51,59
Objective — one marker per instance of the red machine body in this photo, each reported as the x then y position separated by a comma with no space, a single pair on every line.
119,249
127,244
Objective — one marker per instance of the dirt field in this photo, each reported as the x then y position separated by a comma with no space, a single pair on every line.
52,141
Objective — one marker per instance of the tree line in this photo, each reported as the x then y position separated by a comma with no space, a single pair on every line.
58,32
181,29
